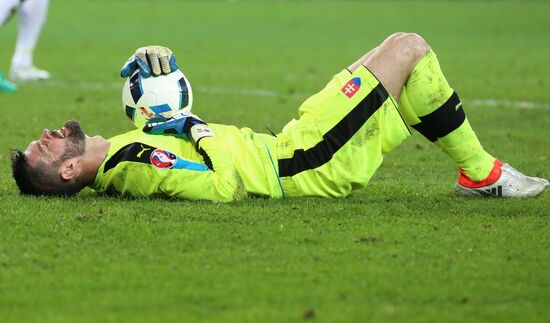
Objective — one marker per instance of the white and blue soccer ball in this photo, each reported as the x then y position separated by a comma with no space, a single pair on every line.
155,99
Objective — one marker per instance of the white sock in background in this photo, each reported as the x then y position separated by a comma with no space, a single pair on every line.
32,16
6,9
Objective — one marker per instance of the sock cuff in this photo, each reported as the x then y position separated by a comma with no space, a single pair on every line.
443,120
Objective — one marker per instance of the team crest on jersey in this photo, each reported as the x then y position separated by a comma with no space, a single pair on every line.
352,87
163,159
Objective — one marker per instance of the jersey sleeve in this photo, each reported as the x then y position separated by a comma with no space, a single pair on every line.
140,170
221,182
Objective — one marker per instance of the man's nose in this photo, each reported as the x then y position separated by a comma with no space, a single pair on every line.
45,135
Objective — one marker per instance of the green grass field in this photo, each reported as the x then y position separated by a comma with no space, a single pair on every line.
403,249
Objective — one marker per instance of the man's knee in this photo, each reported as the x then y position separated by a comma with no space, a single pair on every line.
407,45
394,36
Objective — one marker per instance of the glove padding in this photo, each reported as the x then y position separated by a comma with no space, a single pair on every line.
150,60
182,125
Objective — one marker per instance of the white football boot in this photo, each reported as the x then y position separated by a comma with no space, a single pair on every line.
503,181
28,73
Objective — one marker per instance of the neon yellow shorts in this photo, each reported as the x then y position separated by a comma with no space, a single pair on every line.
340,137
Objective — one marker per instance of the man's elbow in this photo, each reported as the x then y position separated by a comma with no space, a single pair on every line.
234,190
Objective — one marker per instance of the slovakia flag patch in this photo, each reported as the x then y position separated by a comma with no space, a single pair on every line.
352,87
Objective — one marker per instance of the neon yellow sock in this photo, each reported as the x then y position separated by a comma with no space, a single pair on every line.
465,149
430,105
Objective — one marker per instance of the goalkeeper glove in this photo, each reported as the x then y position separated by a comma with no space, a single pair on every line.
181,125
150,60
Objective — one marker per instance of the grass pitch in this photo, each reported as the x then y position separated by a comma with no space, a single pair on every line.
405,248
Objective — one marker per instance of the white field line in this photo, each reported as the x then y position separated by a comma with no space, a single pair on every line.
507,104
493,103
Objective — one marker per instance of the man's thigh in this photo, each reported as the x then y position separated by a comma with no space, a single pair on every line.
340,137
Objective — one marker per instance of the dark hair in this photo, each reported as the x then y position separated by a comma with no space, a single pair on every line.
41,179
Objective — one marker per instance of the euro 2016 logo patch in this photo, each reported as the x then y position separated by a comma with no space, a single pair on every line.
352,87
163,159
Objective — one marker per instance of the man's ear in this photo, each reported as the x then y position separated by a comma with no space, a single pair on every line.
69,169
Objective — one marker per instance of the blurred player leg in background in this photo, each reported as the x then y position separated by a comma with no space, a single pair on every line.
7,8
32,16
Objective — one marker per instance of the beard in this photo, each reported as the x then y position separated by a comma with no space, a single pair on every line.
76,141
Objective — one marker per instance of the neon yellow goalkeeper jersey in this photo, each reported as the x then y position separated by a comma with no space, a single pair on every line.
334,147
234,164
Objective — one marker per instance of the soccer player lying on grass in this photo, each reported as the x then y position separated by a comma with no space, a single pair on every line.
333,148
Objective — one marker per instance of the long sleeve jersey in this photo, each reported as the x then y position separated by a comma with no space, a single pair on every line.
233,164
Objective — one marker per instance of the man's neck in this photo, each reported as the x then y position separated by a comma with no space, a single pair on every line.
96,150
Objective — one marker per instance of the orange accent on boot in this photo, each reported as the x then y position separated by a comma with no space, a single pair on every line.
493,176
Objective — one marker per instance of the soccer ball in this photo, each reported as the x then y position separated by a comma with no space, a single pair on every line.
155,99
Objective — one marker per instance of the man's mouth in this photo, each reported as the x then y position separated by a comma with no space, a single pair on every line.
59,133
